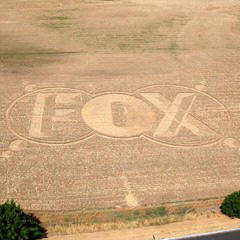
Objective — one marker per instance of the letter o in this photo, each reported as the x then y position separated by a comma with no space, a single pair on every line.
118,115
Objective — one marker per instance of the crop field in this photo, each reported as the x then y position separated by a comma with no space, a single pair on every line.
118,103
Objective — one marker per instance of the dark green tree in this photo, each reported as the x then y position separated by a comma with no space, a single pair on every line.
231,205
17,225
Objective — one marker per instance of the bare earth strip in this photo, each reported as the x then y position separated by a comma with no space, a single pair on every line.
118,104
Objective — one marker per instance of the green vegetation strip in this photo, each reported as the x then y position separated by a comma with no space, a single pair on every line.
118,216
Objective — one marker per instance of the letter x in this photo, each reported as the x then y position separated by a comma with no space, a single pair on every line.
177,115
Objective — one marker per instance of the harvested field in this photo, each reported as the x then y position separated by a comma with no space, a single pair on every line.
118,104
